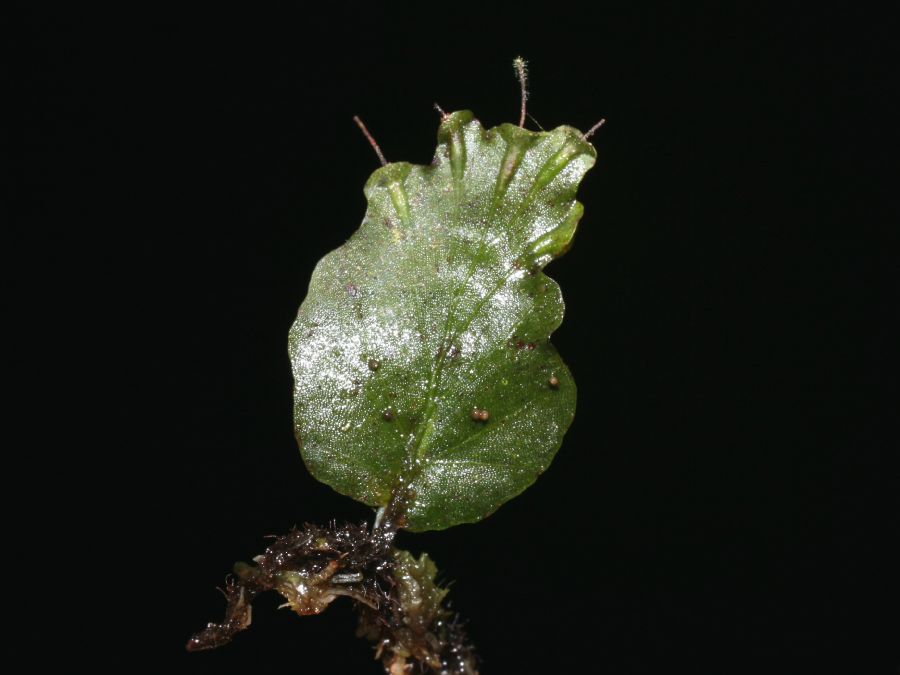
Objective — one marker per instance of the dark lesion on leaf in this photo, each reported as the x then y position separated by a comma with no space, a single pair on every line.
480,415
448,349
400,605
517,343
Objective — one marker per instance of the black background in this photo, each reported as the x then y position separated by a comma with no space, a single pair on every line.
721,503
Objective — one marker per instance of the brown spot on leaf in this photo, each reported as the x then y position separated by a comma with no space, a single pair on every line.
389,415
521,344
374,364
553,382
480,415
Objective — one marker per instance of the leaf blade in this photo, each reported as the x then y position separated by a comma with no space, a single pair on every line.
435,307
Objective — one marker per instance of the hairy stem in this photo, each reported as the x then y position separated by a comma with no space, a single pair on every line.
400,605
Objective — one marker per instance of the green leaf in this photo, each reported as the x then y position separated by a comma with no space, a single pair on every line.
421,354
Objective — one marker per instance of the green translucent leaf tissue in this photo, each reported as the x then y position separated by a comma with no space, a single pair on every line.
421,354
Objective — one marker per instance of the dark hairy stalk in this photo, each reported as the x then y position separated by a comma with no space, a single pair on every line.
400,605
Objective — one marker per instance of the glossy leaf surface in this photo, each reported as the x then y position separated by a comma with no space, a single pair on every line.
421,354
